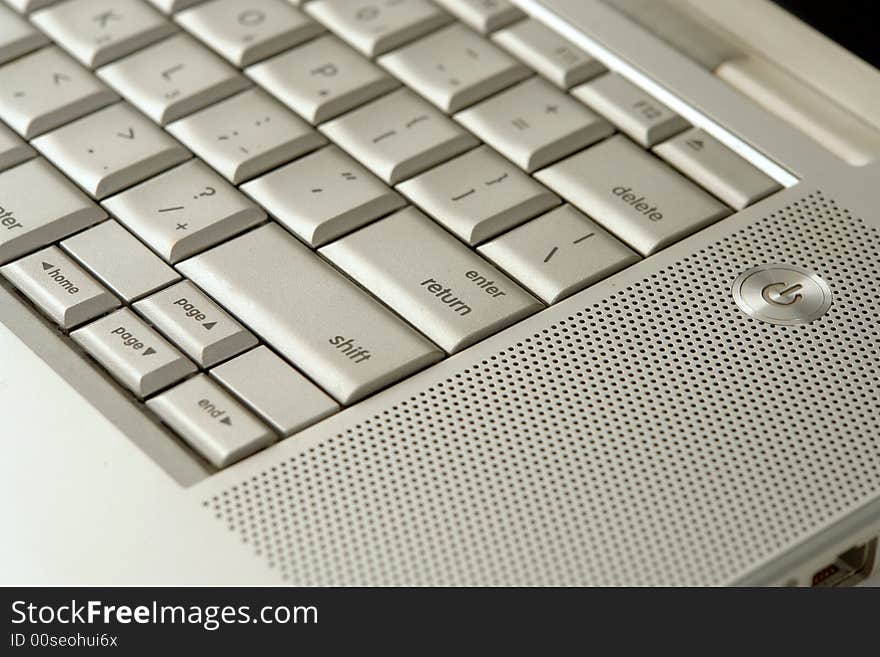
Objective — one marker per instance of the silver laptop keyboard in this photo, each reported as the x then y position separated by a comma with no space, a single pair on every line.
374,185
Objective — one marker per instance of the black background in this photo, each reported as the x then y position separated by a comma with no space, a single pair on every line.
854,24
453,622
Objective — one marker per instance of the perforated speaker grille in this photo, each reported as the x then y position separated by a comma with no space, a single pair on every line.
658,436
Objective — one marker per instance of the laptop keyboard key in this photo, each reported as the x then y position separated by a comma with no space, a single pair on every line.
110,150
478,195
454,67
27,6
275,391
634,112
534,124
173,78
377,27
246,32
133,353
119,260
558,254
550,54
211,420
39,206
483,15
281,290
98,31
60,287
13,150
715,167
323,195
432,280
193,322
46,89
634,195
398,136
322,79
243,136
184,210
17,36
173,6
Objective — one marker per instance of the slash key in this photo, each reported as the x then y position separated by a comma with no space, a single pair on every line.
184,210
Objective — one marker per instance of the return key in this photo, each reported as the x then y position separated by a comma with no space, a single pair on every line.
434,281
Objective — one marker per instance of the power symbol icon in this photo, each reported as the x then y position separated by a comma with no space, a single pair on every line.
781,294
785,296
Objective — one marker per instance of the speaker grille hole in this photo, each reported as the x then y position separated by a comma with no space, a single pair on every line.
656,437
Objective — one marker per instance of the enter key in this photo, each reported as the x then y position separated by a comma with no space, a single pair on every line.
444,289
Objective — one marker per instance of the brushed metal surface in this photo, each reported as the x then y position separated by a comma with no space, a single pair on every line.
652,435
440,479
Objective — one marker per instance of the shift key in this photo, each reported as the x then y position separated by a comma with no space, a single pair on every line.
311,314
633,194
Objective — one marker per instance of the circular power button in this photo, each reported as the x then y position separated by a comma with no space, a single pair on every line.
782,294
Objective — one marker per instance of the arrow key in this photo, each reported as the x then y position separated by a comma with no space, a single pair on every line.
211,420
206,332
133,352
60,287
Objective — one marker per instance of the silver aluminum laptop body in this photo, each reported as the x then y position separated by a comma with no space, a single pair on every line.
645,430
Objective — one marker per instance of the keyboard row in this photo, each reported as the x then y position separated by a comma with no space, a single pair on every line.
486,244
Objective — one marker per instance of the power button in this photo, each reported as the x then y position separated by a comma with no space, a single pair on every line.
782,294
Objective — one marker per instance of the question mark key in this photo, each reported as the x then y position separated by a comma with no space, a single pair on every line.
153,210
208,191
